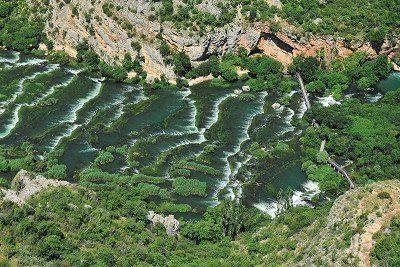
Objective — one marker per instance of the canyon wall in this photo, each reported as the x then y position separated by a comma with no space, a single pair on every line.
111,36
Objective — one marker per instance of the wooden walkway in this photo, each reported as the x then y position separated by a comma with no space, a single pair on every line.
331,162
342,171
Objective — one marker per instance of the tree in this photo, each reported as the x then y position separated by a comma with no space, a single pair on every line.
58,171
376,37
284,200
182,63
316,87
127,63
165,51
228,72
306,66
233,218
322,156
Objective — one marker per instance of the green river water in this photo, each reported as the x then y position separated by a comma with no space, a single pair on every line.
73,110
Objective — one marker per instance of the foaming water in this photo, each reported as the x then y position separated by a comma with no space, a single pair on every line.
15,58
74,71
14,115
198,140
70,120
299,198
192,128
120,104
13,122
327,101
215,111
32,61
288,122
235,188
302,109
268,207
20,87
373,98
244,135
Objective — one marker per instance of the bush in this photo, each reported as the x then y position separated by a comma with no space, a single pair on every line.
384,195
187,187
173,207
228,72
183,164
57,172
182,64
104,157
316,87
246,97
4,183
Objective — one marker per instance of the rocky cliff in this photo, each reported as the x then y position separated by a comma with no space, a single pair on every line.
26,184
346,236
111,29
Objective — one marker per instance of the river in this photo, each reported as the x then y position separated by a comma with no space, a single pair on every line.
56,107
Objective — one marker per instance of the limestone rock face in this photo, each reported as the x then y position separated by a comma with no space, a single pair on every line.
111,34
276,3
170,223
276,105
26,184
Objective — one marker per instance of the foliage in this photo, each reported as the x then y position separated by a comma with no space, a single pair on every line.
185,187
58,171
364,133
182,63
104,157
184,164
387,250
354,69
19,30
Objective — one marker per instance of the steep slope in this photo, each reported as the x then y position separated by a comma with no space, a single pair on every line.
114,28
346,235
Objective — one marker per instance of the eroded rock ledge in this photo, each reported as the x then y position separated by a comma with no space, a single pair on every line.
170,223
69,24
26,184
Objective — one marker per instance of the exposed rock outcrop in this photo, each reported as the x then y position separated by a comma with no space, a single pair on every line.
170,223
111,35
346,236
26,184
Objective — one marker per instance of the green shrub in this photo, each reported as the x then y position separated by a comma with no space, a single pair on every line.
187,187
58,171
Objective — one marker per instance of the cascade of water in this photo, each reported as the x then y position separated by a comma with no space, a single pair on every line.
327,101
287,120
299,198
120,104
302,109
70,120
215,110
244,136
16,57
19,89
15,117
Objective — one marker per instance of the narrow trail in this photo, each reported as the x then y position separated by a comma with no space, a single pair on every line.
330,161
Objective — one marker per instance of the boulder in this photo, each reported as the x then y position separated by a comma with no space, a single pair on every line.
246,88
276,105
275,3
26,184
170,223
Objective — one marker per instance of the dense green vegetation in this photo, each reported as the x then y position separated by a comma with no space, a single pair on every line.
370,20
386,251
101,219
356,69
366,134
20,29
367,20
108,227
